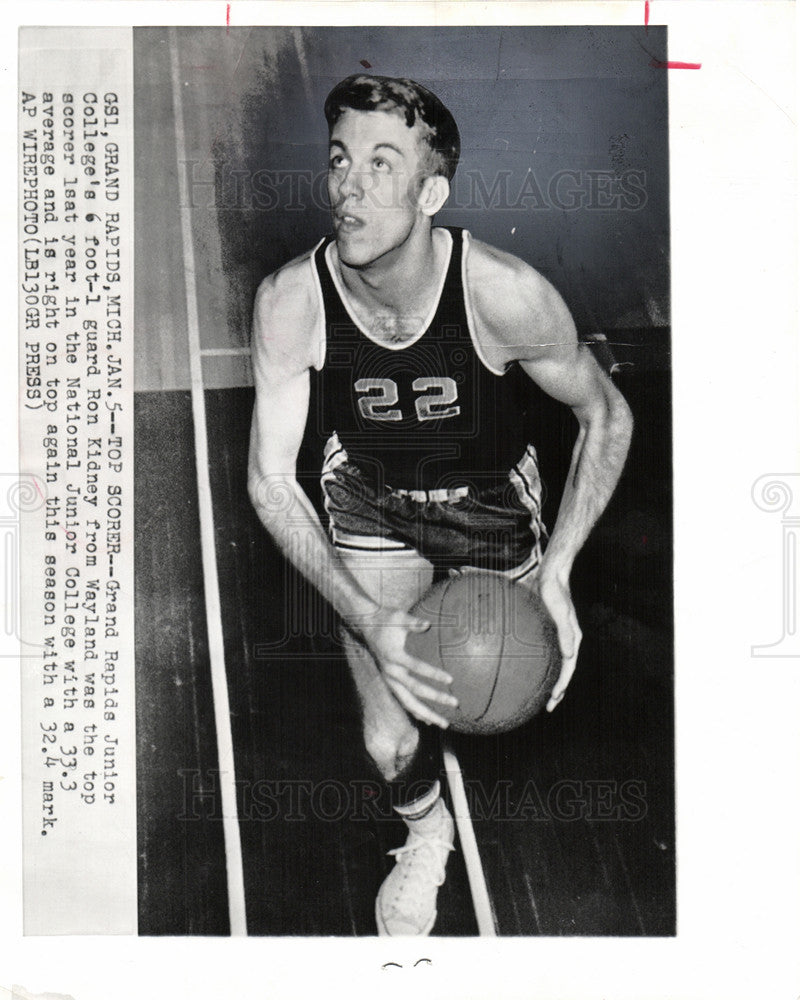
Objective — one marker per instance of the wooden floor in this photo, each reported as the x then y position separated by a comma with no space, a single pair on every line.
182,886
573,814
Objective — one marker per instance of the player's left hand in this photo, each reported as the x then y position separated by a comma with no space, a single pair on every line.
556,596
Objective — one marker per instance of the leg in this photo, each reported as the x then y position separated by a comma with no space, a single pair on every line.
389,735
406,902
398,579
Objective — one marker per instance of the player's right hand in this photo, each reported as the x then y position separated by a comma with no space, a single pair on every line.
386,636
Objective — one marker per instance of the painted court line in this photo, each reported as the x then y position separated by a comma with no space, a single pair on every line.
224,352
219,684
466,835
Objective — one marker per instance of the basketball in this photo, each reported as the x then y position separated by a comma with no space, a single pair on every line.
497,641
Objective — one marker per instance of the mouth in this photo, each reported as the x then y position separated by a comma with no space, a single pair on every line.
348,222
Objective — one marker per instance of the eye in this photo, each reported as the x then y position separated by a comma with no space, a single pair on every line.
336,161
381,165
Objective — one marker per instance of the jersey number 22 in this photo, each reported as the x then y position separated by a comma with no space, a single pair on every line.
434,405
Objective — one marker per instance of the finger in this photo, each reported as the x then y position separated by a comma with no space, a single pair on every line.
568,631
428,692
400,674
419,625
560,687
565,621
465,571
571,651
558,691
568,638
415,707
566,646
425,669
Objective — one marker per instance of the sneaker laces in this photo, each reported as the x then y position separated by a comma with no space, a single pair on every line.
421,862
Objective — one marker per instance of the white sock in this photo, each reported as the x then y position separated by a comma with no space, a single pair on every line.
417,810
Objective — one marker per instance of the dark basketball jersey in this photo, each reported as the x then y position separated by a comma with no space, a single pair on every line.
427,414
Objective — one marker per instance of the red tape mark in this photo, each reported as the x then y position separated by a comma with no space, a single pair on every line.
646,12
672,64
227,15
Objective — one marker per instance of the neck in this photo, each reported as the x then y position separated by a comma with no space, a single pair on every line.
397,278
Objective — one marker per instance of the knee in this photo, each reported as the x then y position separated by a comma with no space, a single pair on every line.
391,751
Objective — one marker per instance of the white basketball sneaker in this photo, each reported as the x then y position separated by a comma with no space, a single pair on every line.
406,903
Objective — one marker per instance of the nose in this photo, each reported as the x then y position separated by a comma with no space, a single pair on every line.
352,183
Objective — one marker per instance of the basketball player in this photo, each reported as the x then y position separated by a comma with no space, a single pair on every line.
404,353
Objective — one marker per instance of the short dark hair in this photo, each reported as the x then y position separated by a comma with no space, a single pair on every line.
414,102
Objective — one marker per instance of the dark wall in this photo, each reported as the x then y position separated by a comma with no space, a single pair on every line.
564,163
564,159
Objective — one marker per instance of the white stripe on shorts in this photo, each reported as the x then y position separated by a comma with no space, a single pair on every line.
525,477
367,543
435,496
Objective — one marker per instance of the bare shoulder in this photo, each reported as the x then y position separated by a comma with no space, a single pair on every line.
287,318
516,311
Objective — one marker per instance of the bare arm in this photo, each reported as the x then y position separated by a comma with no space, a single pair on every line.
282,354
570,374
536,329
281,503
283,324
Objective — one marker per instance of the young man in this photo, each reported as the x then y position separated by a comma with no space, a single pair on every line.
398,349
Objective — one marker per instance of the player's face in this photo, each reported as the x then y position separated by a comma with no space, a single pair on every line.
374,175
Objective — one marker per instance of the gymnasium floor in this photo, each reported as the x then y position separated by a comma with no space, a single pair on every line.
572,814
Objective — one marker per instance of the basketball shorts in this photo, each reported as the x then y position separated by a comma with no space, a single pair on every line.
498,528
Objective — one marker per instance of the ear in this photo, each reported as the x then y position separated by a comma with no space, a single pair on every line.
433,193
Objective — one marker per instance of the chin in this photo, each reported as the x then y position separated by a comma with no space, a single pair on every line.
354,254
351,258
358,253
